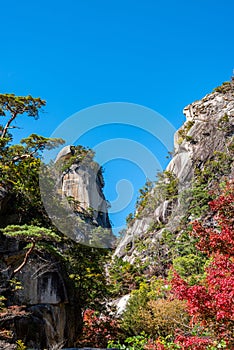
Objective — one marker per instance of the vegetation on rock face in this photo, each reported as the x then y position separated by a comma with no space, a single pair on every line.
182,133
183,313
154,193
211,302
123,277
195,244
82,267
225,87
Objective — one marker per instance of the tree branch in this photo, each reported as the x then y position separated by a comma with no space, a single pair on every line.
23,156
14,115
25,259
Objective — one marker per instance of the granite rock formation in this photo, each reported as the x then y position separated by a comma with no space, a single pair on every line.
206,133
51,307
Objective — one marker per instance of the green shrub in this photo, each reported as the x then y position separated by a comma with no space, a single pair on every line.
132,318
190,267
223,88
137,342
20,345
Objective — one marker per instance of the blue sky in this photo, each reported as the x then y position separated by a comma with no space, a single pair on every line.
79,53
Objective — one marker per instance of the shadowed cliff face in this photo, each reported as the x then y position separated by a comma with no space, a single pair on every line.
205,137
52,308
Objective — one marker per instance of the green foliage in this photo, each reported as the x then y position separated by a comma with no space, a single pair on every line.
15,284
225,87
83,156
85,267
150,310
181,245
224,123
132,318
29,233
137,342
123,277
102,237
165,188
20,163
190,267
165,343
20,345
130,219
155,226
182,133
200,198
20,104
82,267
144,193
207,178
2,302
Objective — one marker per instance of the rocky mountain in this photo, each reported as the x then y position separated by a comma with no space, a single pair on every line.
203,157
47,306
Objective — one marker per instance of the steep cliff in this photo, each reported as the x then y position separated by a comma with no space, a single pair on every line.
83,182
203,157
48,304
51,311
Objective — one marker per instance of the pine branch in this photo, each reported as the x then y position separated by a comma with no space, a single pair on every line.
25,259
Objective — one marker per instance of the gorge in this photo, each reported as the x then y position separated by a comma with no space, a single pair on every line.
44,301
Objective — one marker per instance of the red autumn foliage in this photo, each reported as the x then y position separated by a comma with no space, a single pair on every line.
185,343
211,303
97,330
193,342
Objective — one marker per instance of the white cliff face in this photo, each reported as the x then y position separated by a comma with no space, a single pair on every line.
208,129
81,184
84,184
138,228
204,135
121,304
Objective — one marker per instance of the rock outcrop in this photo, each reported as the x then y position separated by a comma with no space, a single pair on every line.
205,137
52,311
84,185
52,307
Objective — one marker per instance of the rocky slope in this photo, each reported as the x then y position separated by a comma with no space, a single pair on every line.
203,154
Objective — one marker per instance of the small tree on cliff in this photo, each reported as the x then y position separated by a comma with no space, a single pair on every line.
35,237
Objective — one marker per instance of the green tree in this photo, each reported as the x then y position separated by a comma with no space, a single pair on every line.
35,236
20,163
12,106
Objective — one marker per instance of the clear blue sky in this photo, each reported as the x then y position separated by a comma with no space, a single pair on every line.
79,53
